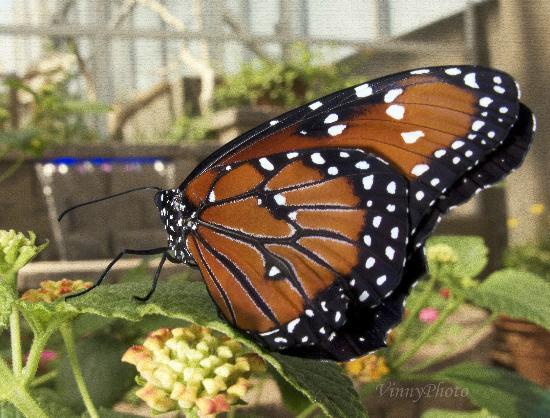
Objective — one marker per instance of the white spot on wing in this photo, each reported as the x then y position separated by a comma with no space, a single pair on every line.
315,105
421,71
363,296
411,137
391,95
363,90
453,71
485,101
332,171
292,324
440,153
362,165
391,187
291,155
317,158
274,122
390,252
470,80
394,232
499,89
333,117
420,169
212,196
280,199
273,271
368,181
367,239
477,125
265,163
336,130
381,280
396,111
370,262
376,221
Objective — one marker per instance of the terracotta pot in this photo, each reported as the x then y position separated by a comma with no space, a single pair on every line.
525,347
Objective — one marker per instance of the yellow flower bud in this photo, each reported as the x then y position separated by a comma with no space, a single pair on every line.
136,354
214,385
156,398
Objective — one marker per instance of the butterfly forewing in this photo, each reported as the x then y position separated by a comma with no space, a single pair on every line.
310,226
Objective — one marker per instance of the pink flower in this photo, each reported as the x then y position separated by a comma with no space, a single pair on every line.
428,315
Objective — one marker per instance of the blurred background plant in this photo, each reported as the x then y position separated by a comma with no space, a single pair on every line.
52,114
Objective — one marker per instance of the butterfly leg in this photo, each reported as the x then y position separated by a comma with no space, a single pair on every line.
155,280
113,262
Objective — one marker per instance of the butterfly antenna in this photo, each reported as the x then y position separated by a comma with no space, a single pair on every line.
105,198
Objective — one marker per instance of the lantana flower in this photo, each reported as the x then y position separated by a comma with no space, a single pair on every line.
16,250
428,315
52,290
366,369
192,370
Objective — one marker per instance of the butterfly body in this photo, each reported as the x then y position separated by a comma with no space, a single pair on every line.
308,230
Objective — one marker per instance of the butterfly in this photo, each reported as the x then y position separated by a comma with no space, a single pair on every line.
309,229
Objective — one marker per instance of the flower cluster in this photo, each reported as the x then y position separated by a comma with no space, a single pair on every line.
441,254
366,369
16,250
193,370
51,290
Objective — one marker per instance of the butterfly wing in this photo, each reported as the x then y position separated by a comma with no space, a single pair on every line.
441,133
288,243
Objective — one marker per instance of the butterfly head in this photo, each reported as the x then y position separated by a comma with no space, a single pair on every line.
177,218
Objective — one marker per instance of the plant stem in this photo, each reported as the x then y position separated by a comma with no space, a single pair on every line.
454,347
407,323
308,411
15,336
46,377
428,333
14,392
68,338
11,169
37,347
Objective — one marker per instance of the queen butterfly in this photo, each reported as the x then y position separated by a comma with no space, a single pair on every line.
309,229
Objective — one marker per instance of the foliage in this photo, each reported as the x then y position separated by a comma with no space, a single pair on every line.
55,117
101,322
533,258
192,128
282,83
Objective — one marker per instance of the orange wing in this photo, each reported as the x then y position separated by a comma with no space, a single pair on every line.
285,242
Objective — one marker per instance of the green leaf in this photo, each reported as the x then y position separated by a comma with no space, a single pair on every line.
444,413
321,382
500,391
470,250
52,404
293,399
516,293
106,377
7,410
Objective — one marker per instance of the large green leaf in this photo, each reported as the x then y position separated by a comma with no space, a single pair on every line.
106,377
471,252
516,293
322,382
500,391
